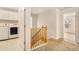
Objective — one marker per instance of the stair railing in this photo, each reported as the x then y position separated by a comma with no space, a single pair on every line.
40,34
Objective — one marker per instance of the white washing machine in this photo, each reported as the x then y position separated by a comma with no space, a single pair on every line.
4,31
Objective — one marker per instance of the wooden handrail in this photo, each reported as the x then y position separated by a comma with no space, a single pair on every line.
36,33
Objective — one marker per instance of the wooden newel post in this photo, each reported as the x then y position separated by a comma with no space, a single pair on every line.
46,34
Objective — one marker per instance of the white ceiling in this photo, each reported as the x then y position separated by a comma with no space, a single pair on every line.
37,10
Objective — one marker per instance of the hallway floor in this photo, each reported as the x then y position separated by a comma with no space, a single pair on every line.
58,45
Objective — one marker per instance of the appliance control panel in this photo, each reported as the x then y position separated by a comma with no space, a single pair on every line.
3,24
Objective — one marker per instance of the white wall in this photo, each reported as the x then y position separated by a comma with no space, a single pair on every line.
59,24
48,18
34,20
28,26
54,20
20,41
77,27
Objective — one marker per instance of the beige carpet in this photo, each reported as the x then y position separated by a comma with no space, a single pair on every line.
58,45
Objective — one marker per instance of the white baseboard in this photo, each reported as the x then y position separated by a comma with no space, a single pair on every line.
39,46
56,38
72,42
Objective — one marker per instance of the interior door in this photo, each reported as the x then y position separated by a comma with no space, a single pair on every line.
69,27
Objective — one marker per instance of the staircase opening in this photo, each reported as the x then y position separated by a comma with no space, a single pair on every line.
38,36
